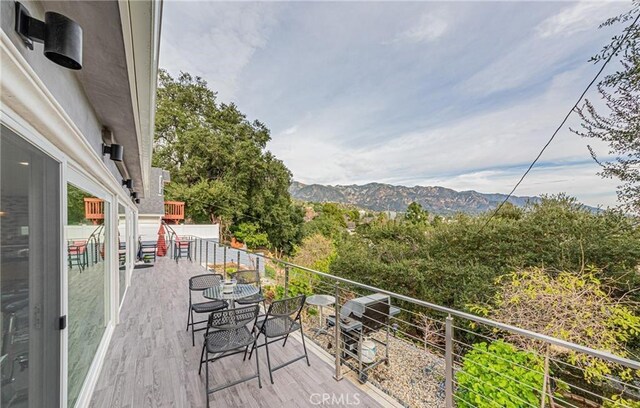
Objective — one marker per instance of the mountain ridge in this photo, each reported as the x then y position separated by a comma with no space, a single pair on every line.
381,197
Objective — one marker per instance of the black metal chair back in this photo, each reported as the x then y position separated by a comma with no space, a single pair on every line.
204,281
290,307
232,319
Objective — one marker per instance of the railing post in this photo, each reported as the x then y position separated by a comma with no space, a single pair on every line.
258,264
545,379
215,254
448,363
224,262
338,348
286,281
206,256
200,253
238,264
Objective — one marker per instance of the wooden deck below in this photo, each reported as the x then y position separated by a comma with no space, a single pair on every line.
151,363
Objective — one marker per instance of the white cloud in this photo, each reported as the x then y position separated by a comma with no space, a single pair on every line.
215,40
582,16
556,41
429,27
290,130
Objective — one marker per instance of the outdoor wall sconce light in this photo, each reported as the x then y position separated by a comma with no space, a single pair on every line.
128,183
115,151
137,201
134,195
61,36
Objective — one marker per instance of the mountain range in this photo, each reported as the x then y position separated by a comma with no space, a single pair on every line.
383,197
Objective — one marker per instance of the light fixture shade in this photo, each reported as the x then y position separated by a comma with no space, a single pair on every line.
61,36
63,40
128,183
115,151
134,195
137,201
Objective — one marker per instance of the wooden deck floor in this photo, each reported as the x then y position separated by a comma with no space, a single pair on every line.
151,363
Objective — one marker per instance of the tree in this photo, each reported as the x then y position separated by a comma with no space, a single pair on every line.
329,221
416,215
249,233
315,252
620,125
453,264
75,205
576,307
219,163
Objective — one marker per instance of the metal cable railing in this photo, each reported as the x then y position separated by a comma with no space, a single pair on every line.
444,339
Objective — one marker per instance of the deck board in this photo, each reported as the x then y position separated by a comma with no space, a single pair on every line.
151,363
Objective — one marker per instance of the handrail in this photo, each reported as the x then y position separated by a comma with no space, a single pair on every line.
95,239
633,364
172,232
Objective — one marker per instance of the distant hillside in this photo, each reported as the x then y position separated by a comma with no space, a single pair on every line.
381,197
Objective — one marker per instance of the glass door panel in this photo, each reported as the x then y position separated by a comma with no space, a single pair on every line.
122,249
29,274
87,251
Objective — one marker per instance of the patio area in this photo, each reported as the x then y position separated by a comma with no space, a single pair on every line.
151,363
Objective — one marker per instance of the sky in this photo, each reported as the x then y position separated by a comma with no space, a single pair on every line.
456,94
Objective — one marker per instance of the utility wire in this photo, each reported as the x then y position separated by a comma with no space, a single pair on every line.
573,108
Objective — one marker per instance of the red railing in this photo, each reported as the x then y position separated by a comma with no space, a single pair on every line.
94,210
173,211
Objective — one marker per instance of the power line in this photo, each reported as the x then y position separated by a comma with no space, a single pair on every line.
573,108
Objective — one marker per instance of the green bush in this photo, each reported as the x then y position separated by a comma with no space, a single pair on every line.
499,375
270,272
619,402
456,262
296,287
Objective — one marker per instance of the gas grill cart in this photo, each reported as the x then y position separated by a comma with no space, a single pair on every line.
359,319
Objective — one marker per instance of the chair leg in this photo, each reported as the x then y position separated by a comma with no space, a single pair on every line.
206,370
284,343
204,344
253,347
193,333
258,368
304,345
266,346
188,317
246,349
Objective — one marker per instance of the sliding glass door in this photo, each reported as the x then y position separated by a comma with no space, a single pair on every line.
30,271
88,253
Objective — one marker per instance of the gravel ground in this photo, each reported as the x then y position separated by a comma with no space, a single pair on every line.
414,376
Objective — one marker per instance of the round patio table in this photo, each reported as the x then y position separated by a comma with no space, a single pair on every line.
241,290
321,301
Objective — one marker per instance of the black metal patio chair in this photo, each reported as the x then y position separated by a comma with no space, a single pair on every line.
77,254
199,283
282,319
182,248
227,334
251,277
